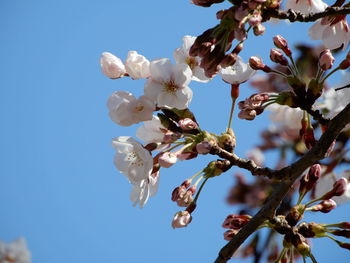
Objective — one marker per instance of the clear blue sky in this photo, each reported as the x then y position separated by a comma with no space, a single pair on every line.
59,188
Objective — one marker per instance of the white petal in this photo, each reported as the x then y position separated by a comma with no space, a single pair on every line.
161,70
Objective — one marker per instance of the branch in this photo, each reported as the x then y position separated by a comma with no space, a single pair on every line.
290,174
243,163
294,16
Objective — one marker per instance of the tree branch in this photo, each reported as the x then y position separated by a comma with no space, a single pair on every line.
294,16
289,174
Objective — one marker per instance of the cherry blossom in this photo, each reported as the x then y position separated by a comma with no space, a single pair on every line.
125,109
112,66
167,85
137,66
136,163
333,31
147,188
237,73
285,116
181,55
306,6
15,252
151,131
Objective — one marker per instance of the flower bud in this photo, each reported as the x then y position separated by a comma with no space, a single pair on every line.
325,206
187,124
344,245
344,225
229,234
341,233
247,114
187,197
313,175
204,147
326,60
309,138
339,188
170,137
112,66
255,19
137,66
236,221
277,57
178,193
281,43
259,29
167,159
181,219
256,63
186,155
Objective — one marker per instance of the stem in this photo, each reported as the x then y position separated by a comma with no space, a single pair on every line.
195,175
312,258
294,65
284,250
329,74
175,146
200,189
231,113
279,73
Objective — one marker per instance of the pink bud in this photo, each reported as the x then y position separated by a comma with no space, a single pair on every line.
181,219
167,159
341,232
184,155
277,57
187,198
188,124
204,147
112,66
326,59
255,19
313,175
178,193
236,221
259,29
339,186
229,234
282,43
170,136
325,206
247,114
257,64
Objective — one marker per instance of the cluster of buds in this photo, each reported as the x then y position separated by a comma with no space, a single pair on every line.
234,223
183,195
213,44
252,106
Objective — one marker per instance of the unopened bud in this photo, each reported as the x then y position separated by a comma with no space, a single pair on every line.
178,193
187,124
236,221
181,219
339,188
313,175
259,29
309,138
340,232
204,147
325,206
206,3
344,245
229,60
112,66
247,114
256,63
187,197
282,43
326,60
255,19
167,159
344,225
277,57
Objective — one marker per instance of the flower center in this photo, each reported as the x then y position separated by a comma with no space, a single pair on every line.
135,159
191,62
170,86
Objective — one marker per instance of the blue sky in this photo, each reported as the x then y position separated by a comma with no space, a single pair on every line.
59,188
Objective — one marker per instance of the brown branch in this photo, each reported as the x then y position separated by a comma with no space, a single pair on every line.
243,163
294,16
290,174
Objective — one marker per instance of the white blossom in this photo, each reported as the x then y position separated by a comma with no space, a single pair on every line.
325,184
334,32
181,56
125,109
151,131
167,85
15,252
237,73
112,66
285,116
136,163
137,66
306,6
